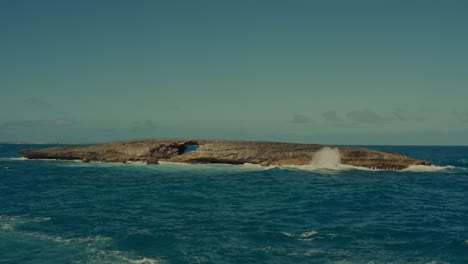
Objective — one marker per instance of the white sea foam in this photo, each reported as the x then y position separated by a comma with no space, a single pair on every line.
116,256
144,260
312,252
24,158
256,166
425,168
62,240
95,247
9,222
307,236
21,158
95,251
21,220
7,227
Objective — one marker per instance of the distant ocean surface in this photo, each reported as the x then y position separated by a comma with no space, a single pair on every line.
72,212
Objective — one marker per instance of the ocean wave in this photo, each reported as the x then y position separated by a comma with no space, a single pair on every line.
94,249
9,223
327,160
24,159
20,158
425,168
63,240
330,170
307,236
116,256
7,227
14,219
293,252
463,161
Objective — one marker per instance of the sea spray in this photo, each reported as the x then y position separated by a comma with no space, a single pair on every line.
326,158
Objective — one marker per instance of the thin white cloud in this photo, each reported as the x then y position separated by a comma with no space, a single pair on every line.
300,119
146,125
331,116
403,115
364,116
38,123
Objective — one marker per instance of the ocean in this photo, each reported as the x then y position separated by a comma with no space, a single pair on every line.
73,212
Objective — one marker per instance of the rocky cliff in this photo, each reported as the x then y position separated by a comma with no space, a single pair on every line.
152,151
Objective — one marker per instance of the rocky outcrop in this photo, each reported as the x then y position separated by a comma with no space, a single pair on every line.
152,151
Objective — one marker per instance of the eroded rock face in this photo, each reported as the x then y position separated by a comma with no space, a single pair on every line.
152,151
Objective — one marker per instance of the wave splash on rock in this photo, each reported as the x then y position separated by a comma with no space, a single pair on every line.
326,158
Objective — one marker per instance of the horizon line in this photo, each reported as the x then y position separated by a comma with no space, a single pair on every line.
332,144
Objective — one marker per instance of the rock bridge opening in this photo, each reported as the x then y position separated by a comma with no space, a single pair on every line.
188,147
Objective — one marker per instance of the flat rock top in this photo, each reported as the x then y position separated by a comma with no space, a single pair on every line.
220,151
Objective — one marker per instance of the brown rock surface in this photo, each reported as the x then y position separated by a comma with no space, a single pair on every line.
152,151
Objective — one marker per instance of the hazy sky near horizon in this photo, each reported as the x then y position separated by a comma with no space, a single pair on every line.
338,72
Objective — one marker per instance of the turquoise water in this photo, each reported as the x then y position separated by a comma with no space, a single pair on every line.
71,212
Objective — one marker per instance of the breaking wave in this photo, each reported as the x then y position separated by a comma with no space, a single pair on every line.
425,168
327,160
94,249
14,219
302,236
21,158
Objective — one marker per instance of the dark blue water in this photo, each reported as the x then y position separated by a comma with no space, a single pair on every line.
70,212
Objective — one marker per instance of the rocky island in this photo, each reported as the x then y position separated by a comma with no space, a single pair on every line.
153,151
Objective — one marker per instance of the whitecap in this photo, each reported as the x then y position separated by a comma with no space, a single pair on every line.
144,260
256,166
22,219
312,252
332,170
117,256
62,240
9,222
7,227
307,236
94,248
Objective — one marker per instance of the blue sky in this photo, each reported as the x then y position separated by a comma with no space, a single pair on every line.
337,72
